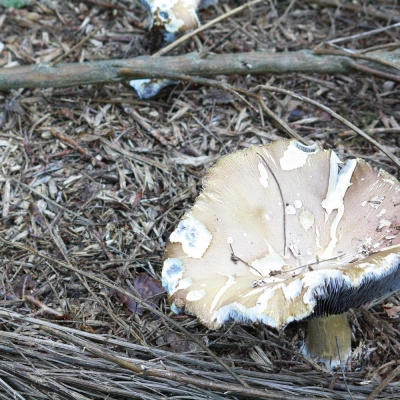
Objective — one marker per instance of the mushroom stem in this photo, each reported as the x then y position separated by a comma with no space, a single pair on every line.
329,339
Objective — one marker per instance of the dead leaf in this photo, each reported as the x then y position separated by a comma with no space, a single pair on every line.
26,285
178,343
391,310
150,289
15,107
44,309
296,114
67,113
24,288
34,210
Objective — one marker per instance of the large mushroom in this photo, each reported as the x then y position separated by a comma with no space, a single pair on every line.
286,232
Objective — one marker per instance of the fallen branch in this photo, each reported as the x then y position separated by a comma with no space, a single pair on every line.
111,71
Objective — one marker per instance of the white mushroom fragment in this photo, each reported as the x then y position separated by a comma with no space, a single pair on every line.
287,234
148,88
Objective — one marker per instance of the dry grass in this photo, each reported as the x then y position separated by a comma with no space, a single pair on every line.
90,195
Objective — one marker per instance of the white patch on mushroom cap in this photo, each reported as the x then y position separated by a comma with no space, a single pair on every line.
290,210
263,175
172,272
184,283
382,212
273,279
296,155
267,264
231,281
193,235
306,219
298,203
195,295
240,313
339,182
292,290
384,223
334,200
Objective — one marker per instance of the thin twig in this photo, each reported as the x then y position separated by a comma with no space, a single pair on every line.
342,367
371,71
145,125
280,122
282,200
356,56
235,258
75,145
47,385
54,203
282,17
393,375
335,115
307,265
363,34
72,49
379,47
358,8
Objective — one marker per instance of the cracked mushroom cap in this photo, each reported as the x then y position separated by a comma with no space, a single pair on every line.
310,236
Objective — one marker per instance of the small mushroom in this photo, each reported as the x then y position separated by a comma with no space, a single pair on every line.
176,16
287,232
171,17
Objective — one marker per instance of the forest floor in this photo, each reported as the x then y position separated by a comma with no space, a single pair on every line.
90,196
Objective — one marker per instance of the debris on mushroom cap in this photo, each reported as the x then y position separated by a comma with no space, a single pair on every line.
310,236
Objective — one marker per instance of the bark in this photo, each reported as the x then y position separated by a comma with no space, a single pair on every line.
114,71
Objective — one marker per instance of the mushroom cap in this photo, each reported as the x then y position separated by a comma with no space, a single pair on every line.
310,237
174,15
